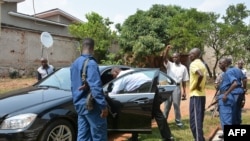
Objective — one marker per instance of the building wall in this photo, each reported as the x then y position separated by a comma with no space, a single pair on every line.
21,50
20,45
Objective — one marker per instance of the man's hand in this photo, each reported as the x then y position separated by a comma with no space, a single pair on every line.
168,47
184,96
198,88
84,87
104,113
224,98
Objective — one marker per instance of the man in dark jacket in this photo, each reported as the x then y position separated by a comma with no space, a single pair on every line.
92,124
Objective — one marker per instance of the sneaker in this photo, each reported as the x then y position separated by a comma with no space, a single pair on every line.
179,123
169,139
221,136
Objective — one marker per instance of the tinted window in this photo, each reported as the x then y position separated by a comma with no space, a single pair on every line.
165,80
132,82
60,79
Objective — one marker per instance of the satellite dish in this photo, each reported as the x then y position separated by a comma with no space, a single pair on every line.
46,39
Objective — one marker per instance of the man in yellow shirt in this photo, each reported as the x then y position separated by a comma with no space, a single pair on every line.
197,103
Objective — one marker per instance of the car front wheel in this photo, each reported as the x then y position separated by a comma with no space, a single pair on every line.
59,130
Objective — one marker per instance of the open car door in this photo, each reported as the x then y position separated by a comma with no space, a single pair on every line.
132,111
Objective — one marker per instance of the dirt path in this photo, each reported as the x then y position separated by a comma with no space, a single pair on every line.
184,111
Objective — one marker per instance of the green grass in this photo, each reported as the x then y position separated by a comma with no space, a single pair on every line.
184,134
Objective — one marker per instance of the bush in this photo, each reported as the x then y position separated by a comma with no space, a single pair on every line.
14,74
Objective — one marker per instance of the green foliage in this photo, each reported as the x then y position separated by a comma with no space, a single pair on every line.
145,32
230,38
97,28
144,35
188,30
112,59
14,74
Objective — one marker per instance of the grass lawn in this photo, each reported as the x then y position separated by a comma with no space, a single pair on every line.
184,134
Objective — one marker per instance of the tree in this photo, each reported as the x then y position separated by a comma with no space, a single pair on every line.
231,37
99,29
234,18
188,30
144,35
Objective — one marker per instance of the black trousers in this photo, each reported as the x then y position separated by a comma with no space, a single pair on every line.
196,116
160,119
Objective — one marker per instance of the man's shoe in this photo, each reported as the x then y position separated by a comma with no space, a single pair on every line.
171,139
168,139
221,136
179,123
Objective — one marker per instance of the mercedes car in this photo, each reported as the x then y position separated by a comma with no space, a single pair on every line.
44,111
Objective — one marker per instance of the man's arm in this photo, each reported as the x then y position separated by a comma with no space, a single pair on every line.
165,55
200,77
233,86
184,80
184,89
244,85
95,84
39,76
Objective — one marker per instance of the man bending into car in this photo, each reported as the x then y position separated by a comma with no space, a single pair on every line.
129,83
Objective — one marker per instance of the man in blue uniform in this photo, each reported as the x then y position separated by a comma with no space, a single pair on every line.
92,124
238,93
231,91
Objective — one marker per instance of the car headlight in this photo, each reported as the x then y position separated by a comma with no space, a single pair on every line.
18,122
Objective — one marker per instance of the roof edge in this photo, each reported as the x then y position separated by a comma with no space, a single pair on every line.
34,18
17,1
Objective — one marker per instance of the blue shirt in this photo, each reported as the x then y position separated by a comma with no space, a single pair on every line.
232,74
93,79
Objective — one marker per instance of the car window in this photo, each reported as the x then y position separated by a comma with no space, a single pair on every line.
60,79
106,75
164,79
131,82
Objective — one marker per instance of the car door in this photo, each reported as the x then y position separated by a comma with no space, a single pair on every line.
132,111
165,86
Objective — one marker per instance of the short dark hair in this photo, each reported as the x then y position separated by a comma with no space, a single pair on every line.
88,43
229,61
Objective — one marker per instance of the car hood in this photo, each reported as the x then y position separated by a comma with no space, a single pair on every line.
29,97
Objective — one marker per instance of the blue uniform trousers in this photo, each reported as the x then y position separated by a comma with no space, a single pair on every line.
91,127
226,110
196,116
237,109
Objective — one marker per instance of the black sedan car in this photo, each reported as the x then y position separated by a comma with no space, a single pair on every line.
45,112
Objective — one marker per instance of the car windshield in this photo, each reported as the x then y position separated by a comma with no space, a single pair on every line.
60,79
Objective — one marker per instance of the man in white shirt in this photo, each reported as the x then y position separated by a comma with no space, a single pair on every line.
128,83
240,66
180,74
44,70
